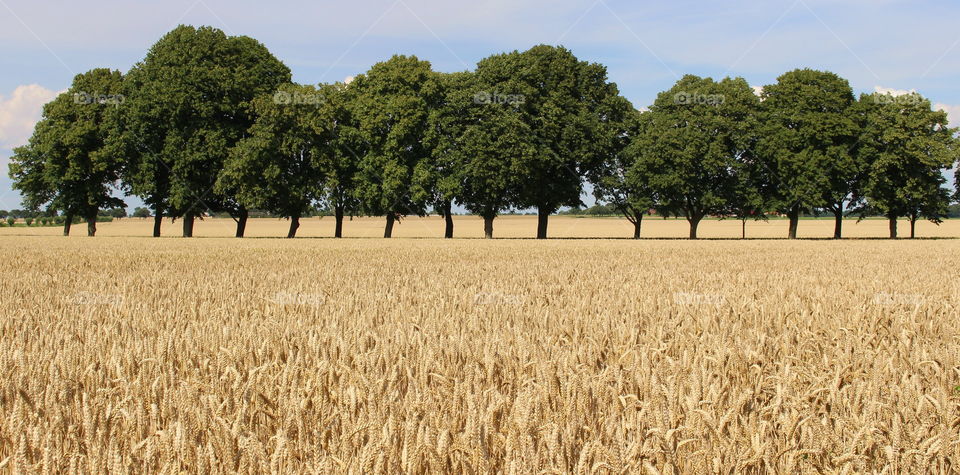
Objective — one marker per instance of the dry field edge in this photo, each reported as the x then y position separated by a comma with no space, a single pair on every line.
514,227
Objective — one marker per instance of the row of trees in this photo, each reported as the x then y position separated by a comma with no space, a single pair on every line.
715,148
209,123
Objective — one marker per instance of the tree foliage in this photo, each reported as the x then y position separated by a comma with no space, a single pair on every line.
190,103
340,148
478,143
392,108
67,166
906,146
210,123
695,147
614,182
566,105
807,142
274,167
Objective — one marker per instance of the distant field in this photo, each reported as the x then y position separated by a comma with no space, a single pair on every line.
511,227
219,355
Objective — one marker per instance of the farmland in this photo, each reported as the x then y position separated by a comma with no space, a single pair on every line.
512,227
218,355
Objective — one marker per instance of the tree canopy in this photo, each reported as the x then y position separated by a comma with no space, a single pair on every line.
209,124
566,104
906,146
275,168
68,166
691,153
392,108
190,103
807,142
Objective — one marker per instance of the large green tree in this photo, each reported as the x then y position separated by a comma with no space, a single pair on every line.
614,183
274,167
392,108
907,146
449,119
694,146
68,165
189,104
807,143
564,103
488,141
479,142
340,147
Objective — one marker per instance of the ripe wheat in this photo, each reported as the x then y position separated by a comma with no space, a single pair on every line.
137,355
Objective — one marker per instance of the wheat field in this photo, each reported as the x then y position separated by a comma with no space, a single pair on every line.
123,354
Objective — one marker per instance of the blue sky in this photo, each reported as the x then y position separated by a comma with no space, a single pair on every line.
646,45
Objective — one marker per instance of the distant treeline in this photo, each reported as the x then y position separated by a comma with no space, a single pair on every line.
211,124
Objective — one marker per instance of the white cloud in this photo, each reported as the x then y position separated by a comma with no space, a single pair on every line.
953,112
892,91
20,112
348,79
758,90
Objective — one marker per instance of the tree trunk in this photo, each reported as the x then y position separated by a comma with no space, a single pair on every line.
694,224
338,215
637,221
388,230
893,226
294,224
448,217
67,224
157,221
488,226
838,223
92,225
543,215
188,225
743,229
913,227
794,216
242,217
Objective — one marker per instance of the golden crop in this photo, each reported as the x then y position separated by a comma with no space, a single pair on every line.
219,355
512,227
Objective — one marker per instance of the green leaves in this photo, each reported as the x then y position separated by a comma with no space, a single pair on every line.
566,105
276,167
478,138
209,122
67,165
392,105
190,103
694,147
906,146
807,140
